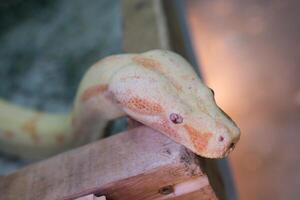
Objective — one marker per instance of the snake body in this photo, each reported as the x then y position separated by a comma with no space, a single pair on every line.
157,88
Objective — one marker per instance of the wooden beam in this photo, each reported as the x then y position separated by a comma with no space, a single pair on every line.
137,164
91,197
144,26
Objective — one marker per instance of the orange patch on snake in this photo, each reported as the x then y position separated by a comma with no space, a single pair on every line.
144,106
30,127
93,91
150,63
199,140
164,127
147,62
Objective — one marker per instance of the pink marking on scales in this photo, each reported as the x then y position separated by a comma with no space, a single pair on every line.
144,106
93,91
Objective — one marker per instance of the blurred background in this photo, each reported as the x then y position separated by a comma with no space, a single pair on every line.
248,53
45,48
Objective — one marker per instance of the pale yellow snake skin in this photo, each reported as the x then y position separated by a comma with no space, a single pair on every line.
157,88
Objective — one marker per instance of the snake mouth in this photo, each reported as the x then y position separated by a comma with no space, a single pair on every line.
230,147
220,153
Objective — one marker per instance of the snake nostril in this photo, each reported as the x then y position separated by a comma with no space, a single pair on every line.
221,138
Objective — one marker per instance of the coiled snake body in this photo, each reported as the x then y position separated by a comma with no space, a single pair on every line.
157,88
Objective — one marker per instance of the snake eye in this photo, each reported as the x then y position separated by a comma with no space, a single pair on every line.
221,138
176,118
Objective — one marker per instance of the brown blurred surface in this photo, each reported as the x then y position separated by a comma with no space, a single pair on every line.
249,54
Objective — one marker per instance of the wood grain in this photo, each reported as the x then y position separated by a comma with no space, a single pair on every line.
144,26
137,164
91,197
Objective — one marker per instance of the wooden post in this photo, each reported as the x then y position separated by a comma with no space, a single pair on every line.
144,26
91,197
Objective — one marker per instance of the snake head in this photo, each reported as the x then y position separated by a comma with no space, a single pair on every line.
161,90
211,132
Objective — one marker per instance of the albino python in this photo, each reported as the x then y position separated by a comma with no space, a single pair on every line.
157,88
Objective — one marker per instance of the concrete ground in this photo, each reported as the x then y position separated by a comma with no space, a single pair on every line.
250,56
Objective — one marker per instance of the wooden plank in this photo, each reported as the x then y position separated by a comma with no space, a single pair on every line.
206,193
137,164
178,33
91,197
143,26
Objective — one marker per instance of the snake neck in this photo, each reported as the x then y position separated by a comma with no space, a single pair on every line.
32,135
